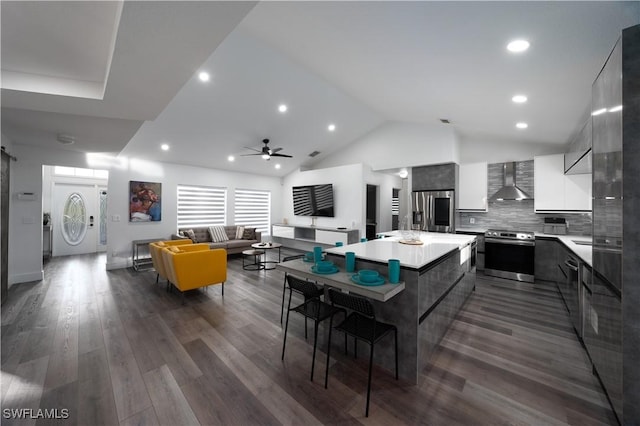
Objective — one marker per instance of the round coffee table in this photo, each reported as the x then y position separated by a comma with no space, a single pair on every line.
256,265
268,246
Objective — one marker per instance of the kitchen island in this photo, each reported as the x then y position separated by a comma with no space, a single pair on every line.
438,276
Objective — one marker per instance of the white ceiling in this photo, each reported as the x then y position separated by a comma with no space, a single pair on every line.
356,64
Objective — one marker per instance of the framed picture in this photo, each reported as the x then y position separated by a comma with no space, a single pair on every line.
145,201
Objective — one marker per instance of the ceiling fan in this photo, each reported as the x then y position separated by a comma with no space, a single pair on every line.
267,152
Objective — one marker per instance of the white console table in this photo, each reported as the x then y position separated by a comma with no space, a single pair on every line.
305,237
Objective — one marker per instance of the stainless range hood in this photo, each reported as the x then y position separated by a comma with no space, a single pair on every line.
510,191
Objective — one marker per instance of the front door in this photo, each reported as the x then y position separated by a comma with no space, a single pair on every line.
75,219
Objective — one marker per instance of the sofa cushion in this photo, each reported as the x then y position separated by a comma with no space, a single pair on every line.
190,234
231,231
232,244
218,234
222,245
239,233
249,233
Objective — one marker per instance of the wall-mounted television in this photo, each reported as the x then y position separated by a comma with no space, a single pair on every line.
313,200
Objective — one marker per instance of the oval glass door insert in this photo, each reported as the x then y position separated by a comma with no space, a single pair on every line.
74,219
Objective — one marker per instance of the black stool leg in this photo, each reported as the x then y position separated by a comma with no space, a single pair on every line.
315,344
326,371
284,291
369,381
395,335
286,325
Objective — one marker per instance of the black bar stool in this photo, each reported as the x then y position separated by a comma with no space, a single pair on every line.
362,325
284,285
312,308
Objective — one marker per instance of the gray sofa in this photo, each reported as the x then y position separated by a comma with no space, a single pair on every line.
232,246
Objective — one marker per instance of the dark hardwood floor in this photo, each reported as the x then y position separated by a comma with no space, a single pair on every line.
112,347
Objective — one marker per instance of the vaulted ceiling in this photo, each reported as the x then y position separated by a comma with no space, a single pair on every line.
123,76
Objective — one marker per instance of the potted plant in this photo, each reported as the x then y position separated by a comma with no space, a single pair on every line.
46,218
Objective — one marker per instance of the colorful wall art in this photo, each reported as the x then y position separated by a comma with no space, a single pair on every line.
145,201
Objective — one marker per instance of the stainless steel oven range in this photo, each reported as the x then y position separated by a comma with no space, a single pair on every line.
509,254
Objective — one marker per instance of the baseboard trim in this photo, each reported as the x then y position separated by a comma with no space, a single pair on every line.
118,264
25,278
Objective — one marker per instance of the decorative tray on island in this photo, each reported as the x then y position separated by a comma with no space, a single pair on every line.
412,242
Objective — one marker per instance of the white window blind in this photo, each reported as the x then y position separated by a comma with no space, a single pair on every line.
201,206
253,208
395,206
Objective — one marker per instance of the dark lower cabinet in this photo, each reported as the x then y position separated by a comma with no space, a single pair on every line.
603,337
546,260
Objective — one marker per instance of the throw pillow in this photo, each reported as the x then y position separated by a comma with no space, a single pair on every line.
218,234
160,244
249,234
175,249
191,235
239,232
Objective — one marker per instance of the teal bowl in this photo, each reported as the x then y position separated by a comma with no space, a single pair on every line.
324,266
368,275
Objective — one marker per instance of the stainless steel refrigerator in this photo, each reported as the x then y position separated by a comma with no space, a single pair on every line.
434,211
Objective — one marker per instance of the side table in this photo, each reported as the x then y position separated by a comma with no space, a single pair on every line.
265,247
141,259
256,265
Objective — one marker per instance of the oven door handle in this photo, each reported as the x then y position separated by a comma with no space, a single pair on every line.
510,242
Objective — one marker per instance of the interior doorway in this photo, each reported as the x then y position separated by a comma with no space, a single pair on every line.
372,212
395,209
76,200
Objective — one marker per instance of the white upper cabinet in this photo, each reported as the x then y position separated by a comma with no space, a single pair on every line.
555,191
472,191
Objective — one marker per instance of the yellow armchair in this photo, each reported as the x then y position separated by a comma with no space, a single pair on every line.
189,267
155,249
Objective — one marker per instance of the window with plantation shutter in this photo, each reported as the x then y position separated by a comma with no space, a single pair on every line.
253,208
201,206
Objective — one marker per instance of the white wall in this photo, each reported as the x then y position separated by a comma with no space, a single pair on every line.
349,191
348,194
492,151
121,233
25,217
399,144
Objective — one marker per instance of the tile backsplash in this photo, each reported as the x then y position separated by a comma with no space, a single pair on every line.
519,214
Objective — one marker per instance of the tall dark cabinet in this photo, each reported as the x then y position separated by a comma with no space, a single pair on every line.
4,225
612,329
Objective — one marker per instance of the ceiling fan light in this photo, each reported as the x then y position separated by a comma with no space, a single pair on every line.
265,156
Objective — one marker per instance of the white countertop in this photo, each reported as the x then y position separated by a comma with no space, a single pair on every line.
435,246
582,251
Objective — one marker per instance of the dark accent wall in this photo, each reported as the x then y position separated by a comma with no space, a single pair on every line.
518,214
434,178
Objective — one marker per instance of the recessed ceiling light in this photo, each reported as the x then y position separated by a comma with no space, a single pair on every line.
517,46
331,127
231,158
599,111
522,125
282,108
277,166
616,108
164,147
519,99
204,76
